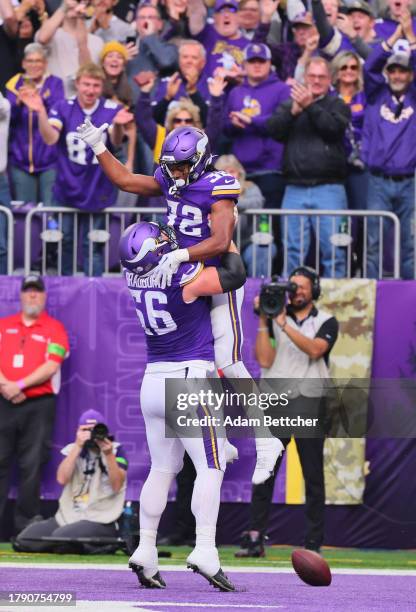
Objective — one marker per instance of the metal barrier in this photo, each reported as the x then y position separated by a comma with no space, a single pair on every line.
9,237
113,221
119,217
341,238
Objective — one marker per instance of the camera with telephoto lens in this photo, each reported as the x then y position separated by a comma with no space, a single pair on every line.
98,432
273,296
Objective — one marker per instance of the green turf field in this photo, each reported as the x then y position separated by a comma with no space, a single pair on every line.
276,556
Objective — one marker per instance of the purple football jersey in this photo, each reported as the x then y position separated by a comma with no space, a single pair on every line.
188,209
80,181
175,331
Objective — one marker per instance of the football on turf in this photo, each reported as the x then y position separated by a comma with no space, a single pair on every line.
311,567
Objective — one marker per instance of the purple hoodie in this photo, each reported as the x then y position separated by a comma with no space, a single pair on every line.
27,150
253,146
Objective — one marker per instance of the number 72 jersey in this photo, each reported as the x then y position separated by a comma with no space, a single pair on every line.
189,209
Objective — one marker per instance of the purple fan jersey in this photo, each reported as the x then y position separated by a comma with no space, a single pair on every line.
80,181
189,208
222,52
175,331
27,149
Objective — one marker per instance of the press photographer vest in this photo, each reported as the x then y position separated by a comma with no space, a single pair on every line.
91,482
291,362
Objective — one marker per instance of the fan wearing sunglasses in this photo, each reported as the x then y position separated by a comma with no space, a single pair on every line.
181,113
347,79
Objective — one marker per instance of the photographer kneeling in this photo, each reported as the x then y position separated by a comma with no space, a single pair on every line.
94,477
295,344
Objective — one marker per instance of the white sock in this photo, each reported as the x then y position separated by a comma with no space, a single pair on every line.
205,537
153,499
148,537
206,504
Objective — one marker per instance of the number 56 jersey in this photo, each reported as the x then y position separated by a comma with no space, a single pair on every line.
175,331
189,209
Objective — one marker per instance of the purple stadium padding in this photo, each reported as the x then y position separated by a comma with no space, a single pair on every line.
104,371
19,214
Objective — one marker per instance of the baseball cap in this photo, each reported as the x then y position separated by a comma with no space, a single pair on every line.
360,5
220,4
33,280
399,59
257,51
91,415
304,18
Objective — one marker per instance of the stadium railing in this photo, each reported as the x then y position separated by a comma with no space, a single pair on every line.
50,219
349,229
9,236
349,232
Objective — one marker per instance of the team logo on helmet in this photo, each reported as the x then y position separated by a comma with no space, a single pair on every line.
185,145
143,244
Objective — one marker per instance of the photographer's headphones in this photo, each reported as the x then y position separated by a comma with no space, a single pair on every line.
313,277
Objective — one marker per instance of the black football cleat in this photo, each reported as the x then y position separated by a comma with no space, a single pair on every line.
155,582
251,546
219,580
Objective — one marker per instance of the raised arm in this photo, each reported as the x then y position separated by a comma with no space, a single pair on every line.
49,27
197,16
117,173
8,15
144,118
374,78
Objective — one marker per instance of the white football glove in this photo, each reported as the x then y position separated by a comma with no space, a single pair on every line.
93,135
167,267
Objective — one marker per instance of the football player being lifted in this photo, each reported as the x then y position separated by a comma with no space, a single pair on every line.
201,203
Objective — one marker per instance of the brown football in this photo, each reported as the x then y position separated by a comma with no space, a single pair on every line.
311,567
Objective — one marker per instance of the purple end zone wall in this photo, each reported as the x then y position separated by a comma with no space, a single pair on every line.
105,368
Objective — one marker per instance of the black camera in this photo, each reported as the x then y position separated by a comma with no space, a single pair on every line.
273,296
98,432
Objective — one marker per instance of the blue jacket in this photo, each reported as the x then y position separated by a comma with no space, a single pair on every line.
253,145
388,141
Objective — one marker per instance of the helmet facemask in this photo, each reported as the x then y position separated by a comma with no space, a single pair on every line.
198,160
143,244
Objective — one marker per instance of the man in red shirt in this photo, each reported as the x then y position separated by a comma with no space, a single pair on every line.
33,346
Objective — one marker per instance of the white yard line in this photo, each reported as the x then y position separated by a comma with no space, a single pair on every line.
228,606
228,569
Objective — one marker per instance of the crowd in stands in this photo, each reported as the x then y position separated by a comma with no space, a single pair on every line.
312,104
